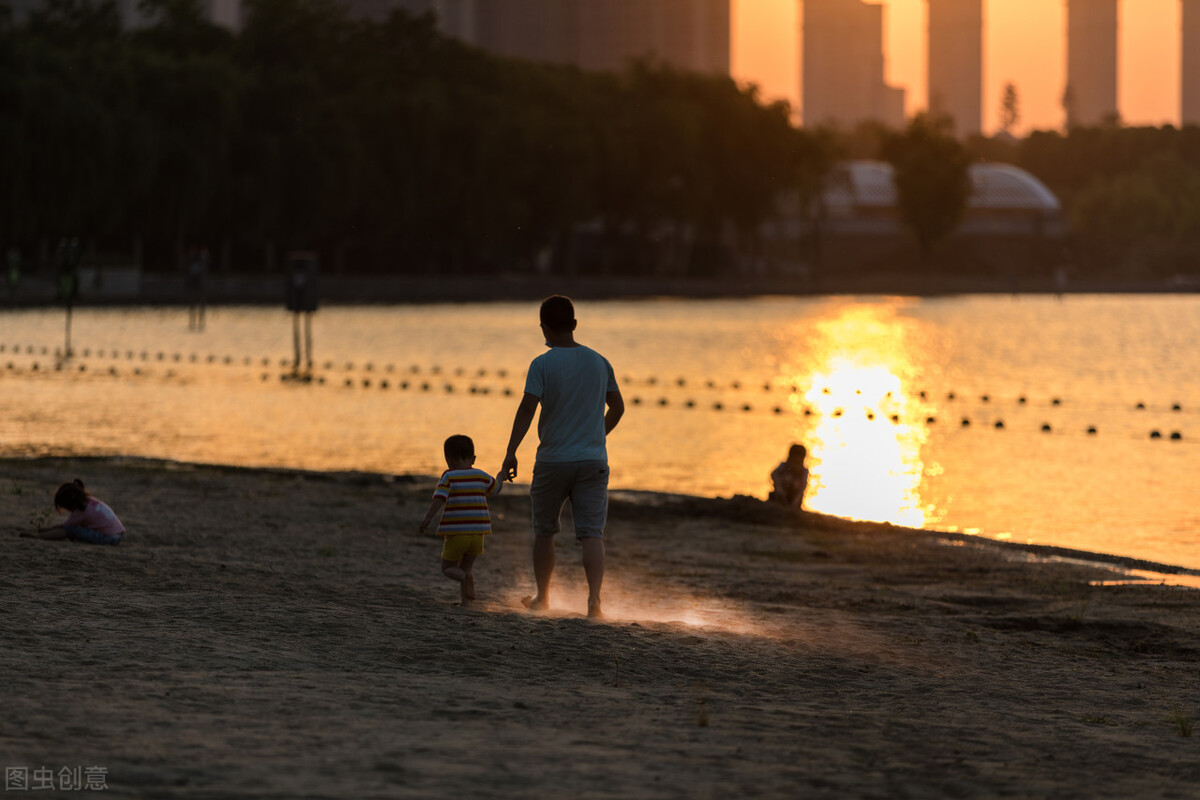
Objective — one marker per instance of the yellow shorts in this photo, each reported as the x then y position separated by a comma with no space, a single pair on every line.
462,544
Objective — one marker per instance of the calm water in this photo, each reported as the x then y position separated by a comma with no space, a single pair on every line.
966,414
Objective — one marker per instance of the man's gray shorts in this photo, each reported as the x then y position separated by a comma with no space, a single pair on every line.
584,483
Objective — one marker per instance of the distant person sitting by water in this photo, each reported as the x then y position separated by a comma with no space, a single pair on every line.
790,479
461,497
89,519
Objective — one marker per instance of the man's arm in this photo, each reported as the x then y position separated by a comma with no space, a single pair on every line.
616,410
521,423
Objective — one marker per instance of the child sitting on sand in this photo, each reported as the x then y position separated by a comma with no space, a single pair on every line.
463,491
790,478
90,520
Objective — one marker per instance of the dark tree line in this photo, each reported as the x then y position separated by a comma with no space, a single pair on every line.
382,145
1131,194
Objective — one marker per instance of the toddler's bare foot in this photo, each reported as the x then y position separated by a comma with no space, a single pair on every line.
468,587
594,611
534,603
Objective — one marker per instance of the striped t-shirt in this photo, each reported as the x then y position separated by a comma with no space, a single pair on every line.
465,492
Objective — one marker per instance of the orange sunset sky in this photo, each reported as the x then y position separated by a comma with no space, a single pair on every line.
1024,43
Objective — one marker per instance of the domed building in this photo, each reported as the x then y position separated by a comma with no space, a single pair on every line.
1013,226
860,197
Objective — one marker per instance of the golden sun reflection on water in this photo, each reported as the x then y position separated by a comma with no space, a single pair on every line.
865,441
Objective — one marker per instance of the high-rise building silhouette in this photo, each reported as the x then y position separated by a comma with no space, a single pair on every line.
843,69
1090,97
956,62
1190,67
592,34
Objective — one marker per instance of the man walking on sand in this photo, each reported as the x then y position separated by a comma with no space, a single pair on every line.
574,385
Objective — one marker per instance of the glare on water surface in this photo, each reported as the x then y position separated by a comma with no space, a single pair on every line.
864,453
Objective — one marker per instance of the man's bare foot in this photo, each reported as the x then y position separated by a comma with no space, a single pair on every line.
594,611
534,603
468,586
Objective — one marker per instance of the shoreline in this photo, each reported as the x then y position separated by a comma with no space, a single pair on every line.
285,633
745,504
132,288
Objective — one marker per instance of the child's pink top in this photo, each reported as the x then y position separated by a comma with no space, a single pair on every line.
97,516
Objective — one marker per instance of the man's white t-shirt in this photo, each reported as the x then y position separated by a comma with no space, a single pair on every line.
571,383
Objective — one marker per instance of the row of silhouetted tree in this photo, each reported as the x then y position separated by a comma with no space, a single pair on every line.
386,147
1131,195
382,145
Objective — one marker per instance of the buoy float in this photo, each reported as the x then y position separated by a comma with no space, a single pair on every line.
1176,436
1155,435
1046,428
1140,406
1091,430
999,424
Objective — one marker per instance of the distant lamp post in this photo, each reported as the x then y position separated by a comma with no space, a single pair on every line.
12,272
301,297
67,261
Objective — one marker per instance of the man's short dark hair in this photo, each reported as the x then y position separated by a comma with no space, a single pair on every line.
558,313
459,447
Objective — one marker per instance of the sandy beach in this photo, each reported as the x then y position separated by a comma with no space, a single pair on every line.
275,634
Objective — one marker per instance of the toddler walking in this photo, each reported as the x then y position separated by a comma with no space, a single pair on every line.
461,496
